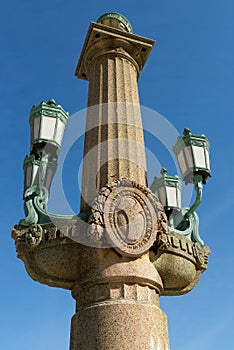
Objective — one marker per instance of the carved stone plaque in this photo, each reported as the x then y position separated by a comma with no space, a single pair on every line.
131,218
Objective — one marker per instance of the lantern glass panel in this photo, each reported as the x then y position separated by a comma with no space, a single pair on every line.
28,176
207,158
179,202
59,132
162,196
188,156
35,175
171,197
181,161
199,157
36,128
48,128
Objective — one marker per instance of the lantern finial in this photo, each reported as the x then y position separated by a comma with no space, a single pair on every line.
187,131
51,102
163,171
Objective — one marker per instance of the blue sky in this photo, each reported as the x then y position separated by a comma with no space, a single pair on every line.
189,79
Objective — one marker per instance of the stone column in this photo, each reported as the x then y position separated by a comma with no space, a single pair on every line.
111,61
118,306
117,302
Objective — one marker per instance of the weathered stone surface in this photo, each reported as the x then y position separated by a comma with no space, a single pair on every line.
119,325
111,289
117,305
180,263
114,144
61,262
126,216
101,37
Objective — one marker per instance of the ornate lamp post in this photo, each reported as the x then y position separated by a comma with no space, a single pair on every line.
193,157
120,254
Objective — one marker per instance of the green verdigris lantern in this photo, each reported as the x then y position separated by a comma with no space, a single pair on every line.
168,190
193,156
47,122
113,19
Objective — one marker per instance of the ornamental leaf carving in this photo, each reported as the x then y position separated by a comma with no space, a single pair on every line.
34,235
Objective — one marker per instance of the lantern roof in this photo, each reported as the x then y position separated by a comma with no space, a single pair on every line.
190,140
50,109
165,180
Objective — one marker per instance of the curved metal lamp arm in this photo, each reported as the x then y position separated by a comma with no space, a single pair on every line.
36,211
198,187
188,219
45,216
36,199
42,169
189,227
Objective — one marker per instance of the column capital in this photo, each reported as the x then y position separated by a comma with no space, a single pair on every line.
102,39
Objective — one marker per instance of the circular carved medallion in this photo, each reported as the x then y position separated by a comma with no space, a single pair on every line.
130,217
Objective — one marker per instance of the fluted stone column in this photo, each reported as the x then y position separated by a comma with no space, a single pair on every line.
114,144
118,301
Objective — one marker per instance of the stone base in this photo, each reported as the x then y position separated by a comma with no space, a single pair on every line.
117,296
115,325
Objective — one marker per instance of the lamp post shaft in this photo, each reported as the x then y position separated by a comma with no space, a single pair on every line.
114,144
118,306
